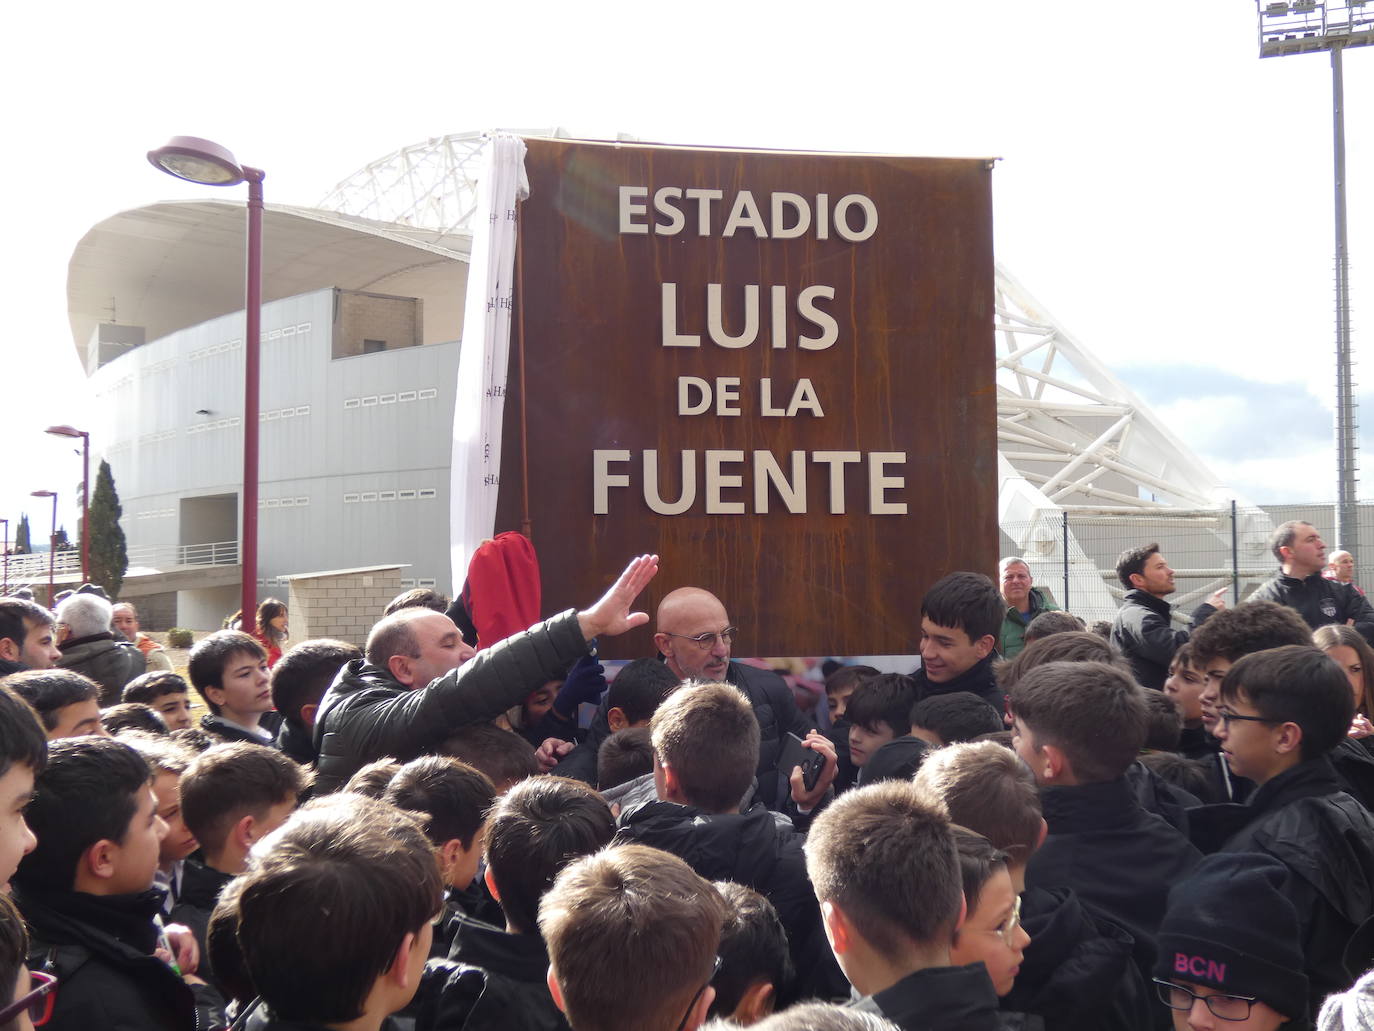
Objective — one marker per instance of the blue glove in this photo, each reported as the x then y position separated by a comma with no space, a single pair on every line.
586,682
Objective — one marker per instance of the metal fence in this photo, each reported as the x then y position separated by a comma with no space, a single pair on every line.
1072,554
152,558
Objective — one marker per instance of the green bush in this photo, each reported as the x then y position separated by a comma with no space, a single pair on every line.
180,637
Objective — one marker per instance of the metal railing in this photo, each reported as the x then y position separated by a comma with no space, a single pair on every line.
147,558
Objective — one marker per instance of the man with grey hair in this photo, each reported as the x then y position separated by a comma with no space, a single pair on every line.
1024,603
91,649
1299,584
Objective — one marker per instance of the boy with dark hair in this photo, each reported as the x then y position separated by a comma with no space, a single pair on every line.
453,798
886,873
632,934
66,702
135,716
86,893
624,756
1163,722
1184,686
372,779
945,719
334,918
1281,714
230,671
499,978
299,680
879,711
706,742
961,616
505,758
27,637
231,797
1048,623
165,692
755,968
1079,727
839,688
23,754
1253,626
168,761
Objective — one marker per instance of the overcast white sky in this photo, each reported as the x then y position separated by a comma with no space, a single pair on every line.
1163,191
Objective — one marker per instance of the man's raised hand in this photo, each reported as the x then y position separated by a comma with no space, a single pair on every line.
612,614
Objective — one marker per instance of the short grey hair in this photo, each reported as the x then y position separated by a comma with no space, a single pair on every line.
85,615
1011,560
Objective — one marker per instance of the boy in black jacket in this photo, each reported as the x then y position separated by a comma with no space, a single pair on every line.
334,918
1079,727
886,872
1281,713
498,979
87,894
961,618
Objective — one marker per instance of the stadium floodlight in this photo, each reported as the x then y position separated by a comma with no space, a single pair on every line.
1305,27
207,163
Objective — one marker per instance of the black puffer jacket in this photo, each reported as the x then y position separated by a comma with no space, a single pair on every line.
366,714
1325,838
108,662
492,981
101,949
752,849
1319,601
977,679
1078,970
1144,631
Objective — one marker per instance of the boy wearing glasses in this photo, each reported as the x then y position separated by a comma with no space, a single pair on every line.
1228,948
632,935
1279,716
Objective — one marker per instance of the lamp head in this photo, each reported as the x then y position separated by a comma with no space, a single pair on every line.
197,161
64,431
43,494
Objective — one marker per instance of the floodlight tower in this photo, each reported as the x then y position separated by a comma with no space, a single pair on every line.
1303,27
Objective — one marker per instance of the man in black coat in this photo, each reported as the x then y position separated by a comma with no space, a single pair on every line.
1299,584
1143,628
419,681
694,635
705,740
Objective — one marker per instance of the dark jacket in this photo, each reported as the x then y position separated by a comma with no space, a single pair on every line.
108,662
1014,623
200,888
1196,743
366,714
1078,970
1113,853
1319,601
753,849
777,714
1145,634
1156,795
492,981
257,1017
296,744
101,949
7,667
217,727
938,999
1325,838
978,679
899,759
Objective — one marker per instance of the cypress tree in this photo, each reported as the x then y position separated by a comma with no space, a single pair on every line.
108,554
22,546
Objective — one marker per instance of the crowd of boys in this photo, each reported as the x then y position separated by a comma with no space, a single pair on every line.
1040,827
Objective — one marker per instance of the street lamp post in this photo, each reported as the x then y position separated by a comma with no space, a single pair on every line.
52,540
200,161
67,431
1304,27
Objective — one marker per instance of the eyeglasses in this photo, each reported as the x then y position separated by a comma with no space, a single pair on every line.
693,1004
1227,717
708,640
1008,929
37,1003
1223,1007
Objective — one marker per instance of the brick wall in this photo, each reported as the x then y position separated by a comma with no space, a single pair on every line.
343,605
396,320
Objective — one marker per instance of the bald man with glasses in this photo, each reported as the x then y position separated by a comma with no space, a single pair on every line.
695,636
